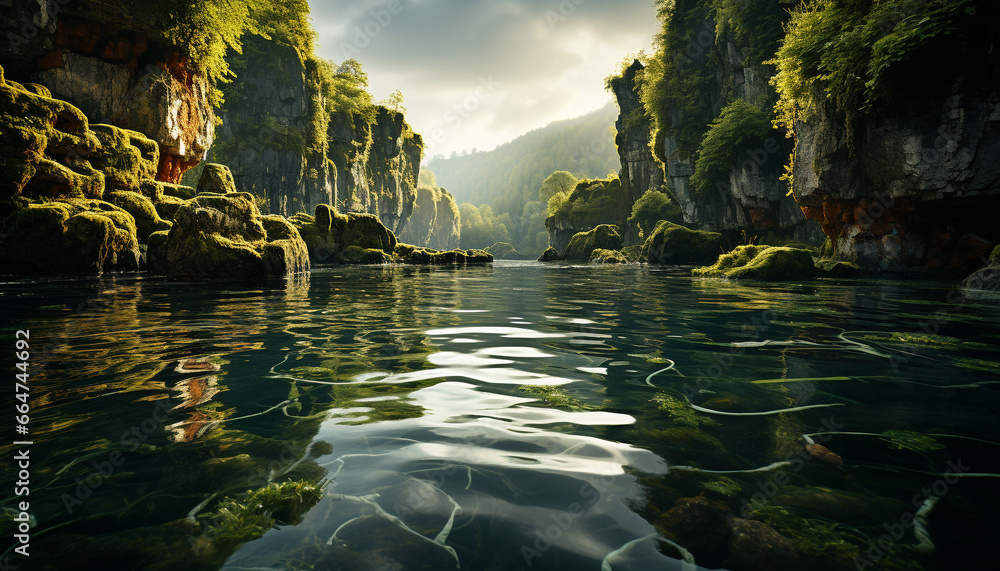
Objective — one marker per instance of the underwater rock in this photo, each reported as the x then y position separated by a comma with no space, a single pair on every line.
763,263
601,256
850,508
671,243
550,255
223,236
757,546
70,236
699,524
603,237
216,179
824,454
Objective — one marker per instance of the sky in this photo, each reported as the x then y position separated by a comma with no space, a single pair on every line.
478,73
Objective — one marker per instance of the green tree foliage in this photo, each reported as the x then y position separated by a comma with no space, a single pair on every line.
481,228
592,203
652,207
556,183
738,122
427,178
859,53
509,178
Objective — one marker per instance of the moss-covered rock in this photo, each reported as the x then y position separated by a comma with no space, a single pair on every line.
763,263
409,254
506,251
603,237
223,236
126,158
216,179
328,234
550,255
45,146
674,244
168,205
600,256
838,269
147,220
70,236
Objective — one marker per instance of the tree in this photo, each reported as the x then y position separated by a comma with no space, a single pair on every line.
394,102
559,181
652,207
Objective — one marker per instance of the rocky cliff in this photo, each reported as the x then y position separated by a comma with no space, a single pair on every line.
285,141
112,61
435,221
723,174
640,170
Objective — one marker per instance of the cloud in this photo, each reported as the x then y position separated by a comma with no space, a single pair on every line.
546,58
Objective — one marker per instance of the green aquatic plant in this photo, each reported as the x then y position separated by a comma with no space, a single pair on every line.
554,396
909,440
237,521
680,412
723,486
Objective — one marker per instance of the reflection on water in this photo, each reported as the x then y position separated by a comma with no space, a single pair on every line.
514,417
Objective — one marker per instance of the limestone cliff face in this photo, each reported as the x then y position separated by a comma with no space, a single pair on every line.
435,221
112,62
752,198
281,144
922,187
640,170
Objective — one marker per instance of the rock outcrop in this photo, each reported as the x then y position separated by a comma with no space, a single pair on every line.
435,221
224,236
921,189
583,244
112,61
771,263
674,244
282,141
640,170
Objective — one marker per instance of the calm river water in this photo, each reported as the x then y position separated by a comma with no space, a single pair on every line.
509,417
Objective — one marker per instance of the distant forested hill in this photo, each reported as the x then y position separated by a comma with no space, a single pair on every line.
508,178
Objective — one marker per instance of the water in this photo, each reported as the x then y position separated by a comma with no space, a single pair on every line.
429,392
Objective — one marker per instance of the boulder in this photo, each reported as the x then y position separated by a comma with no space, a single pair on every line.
674,244
985,282
763,263
216,179
603,237
759,548
70,236
328,234
223,236
550,255
147,219
407,254
600,256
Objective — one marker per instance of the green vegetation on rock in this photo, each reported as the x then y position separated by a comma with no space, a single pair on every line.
763,263
601,256
652,207
738,123
674,244
583,244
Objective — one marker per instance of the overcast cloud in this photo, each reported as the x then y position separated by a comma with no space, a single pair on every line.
477,73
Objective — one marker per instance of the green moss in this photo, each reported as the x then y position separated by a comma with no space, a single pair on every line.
125,157
723,487
329,234
505,251
591,203
582,245
763,263
675,244
70,236
995,256
147,220
550,255
838,269
167,206
216,179
600,256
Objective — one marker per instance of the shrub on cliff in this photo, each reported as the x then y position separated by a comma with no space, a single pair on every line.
591,203
737,123
652,207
